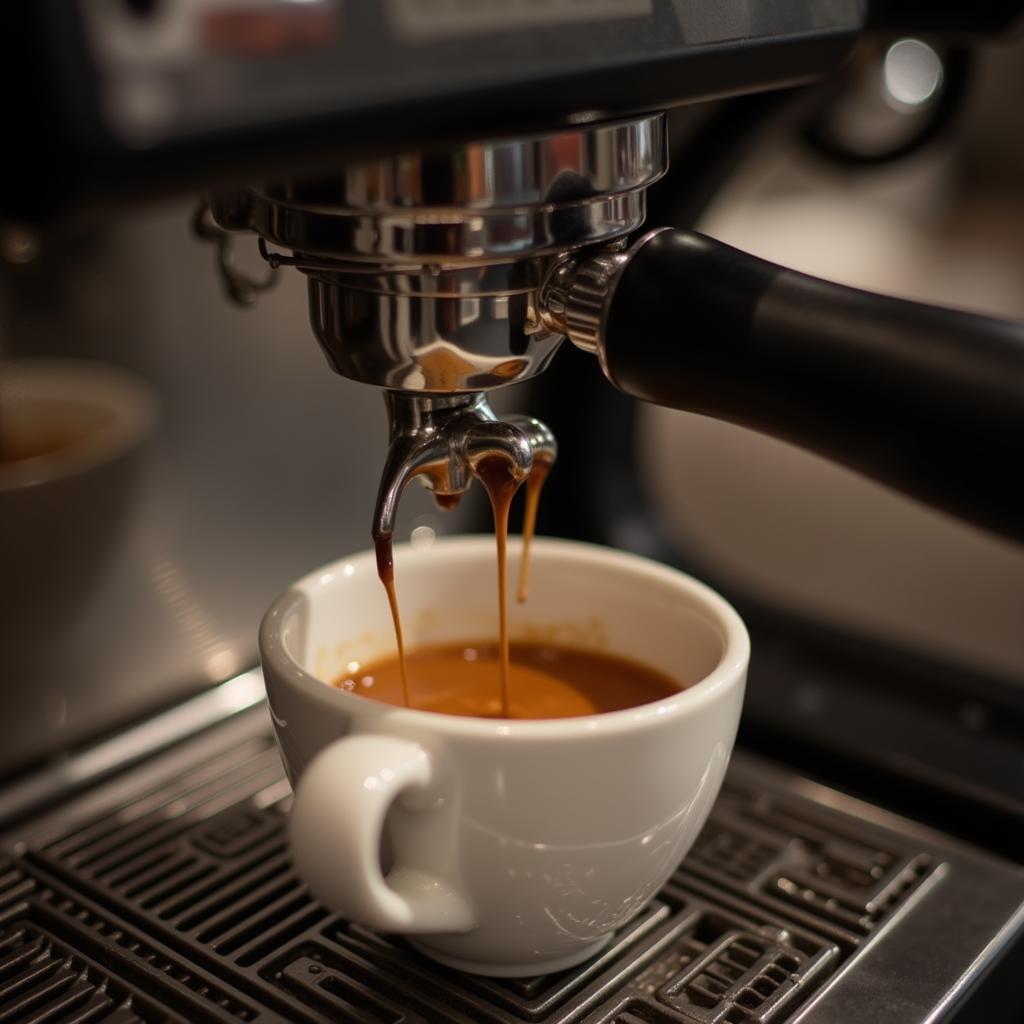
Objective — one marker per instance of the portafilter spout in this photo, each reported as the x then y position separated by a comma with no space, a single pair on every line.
442,440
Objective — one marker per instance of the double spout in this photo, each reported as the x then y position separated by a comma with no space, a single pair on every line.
443,439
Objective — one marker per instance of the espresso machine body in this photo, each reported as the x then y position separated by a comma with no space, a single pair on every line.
492,174
149,98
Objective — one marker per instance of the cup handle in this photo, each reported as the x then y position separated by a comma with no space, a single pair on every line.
337,824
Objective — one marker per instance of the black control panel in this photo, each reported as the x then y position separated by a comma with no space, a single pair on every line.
138,97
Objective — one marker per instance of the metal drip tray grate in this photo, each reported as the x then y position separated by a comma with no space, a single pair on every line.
824,875
725,967
176,900
42,980
64,961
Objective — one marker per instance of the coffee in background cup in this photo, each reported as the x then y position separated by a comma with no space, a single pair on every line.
70,436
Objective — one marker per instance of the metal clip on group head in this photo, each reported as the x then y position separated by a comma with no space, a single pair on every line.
442,439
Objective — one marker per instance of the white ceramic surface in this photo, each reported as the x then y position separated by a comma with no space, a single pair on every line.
515,847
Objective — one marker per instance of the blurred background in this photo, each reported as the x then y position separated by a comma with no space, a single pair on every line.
941,226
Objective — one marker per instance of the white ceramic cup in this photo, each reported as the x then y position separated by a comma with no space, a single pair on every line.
515,847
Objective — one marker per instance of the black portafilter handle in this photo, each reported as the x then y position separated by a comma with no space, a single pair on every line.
927,400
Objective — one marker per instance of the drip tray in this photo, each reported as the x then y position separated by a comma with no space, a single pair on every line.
168,894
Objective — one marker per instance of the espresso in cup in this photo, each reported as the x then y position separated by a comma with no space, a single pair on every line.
544,681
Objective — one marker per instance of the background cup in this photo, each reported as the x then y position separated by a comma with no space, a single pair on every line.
70,433
512,847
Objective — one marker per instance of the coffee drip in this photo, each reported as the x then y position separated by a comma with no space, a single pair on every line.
501,483
534,485
386,571
495,473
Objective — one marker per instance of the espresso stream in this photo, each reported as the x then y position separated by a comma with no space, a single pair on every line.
386,571
503,680
534,483
496,475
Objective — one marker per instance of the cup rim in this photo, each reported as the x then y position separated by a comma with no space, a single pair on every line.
117,391
726,675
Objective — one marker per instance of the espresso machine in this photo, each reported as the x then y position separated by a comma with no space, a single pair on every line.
462,187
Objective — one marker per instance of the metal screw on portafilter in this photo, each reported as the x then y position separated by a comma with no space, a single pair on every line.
442,439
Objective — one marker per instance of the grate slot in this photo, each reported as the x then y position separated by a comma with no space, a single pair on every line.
637,1012
32,982
177,886
839,912
781,816
356,1000
160,803
178,867
16,966
199,894
84,1006
275,914
80,921
14,940
152,837
24,1003
290,929
10,876
860,916
56,1001
237,834
281,886
186,804
904,882
14,899
852,865
143,868
253,879
739,970
362,996
732,852
44,983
